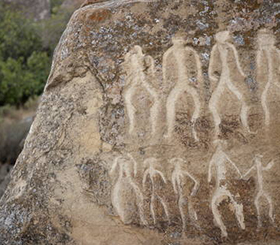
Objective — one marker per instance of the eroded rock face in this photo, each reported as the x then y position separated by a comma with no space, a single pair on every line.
159,124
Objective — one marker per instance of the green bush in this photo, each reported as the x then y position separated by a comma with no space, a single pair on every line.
24,62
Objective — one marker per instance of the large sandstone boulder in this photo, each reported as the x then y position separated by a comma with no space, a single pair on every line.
159,124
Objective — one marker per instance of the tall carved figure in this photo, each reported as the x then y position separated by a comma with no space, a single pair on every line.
219,64
135,65
124,186
268,54
152,173
178,176
261,193
219,162
175,58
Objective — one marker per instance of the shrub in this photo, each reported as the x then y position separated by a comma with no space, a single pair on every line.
24,63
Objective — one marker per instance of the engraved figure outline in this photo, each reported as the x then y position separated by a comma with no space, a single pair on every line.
152,172
224,80
134,65
124,172
219,161
258,166
177,176
267,48
178,50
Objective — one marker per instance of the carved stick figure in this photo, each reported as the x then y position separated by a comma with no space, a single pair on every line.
183,85
219,161
178,176
152,173
135,65
219,58
260,188
268,53
125,182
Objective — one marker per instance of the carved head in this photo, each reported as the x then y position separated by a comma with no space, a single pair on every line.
220,144
150,162
177,162
265,38
178,40
222,36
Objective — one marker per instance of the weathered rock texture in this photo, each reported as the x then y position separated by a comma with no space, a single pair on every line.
159,124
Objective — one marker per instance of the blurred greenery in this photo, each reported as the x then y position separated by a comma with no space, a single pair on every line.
26,49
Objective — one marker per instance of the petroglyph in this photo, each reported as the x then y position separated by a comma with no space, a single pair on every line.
219,59
123,184
267,53
135,64
178,176
179,53
152,172
219,161
261,193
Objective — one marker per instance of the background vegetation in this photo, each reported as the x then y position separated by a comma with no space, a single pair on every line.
26,49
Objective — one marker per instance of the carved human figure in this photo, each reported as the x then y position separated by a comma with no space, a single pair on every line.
178,176
261,193
268,55
219,162
220,74
175,58
135,65
125,184
152,173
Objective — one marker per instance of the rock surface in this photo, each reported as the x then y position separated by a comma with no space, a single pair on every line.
159,124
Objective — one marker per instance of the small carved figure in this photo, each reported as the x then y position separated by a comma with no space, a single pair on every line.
258,167
124,185
219,60
219,161
176,58
135,64
270,55
152,173
178,176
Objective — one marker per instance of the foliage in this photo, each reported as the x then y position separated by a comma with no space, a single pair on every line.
26,48
23,71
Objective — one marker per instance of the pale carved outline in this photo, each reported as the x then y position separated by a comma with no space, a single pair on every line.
260,187
178,175
266,47
125,172
219,161
152,172
179,51
224,80
134,66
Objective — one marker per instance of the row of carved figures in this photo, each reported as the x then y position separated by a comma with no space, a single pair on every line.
140,71
219,161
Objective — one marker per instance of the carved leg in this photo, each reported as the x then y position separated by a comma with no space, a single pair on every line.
257,205
183,217
171,111
196,113
270,212
238,211
130,108
154,114
264,105
140,202
152,208
213,109
165,208
244,107
217,216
